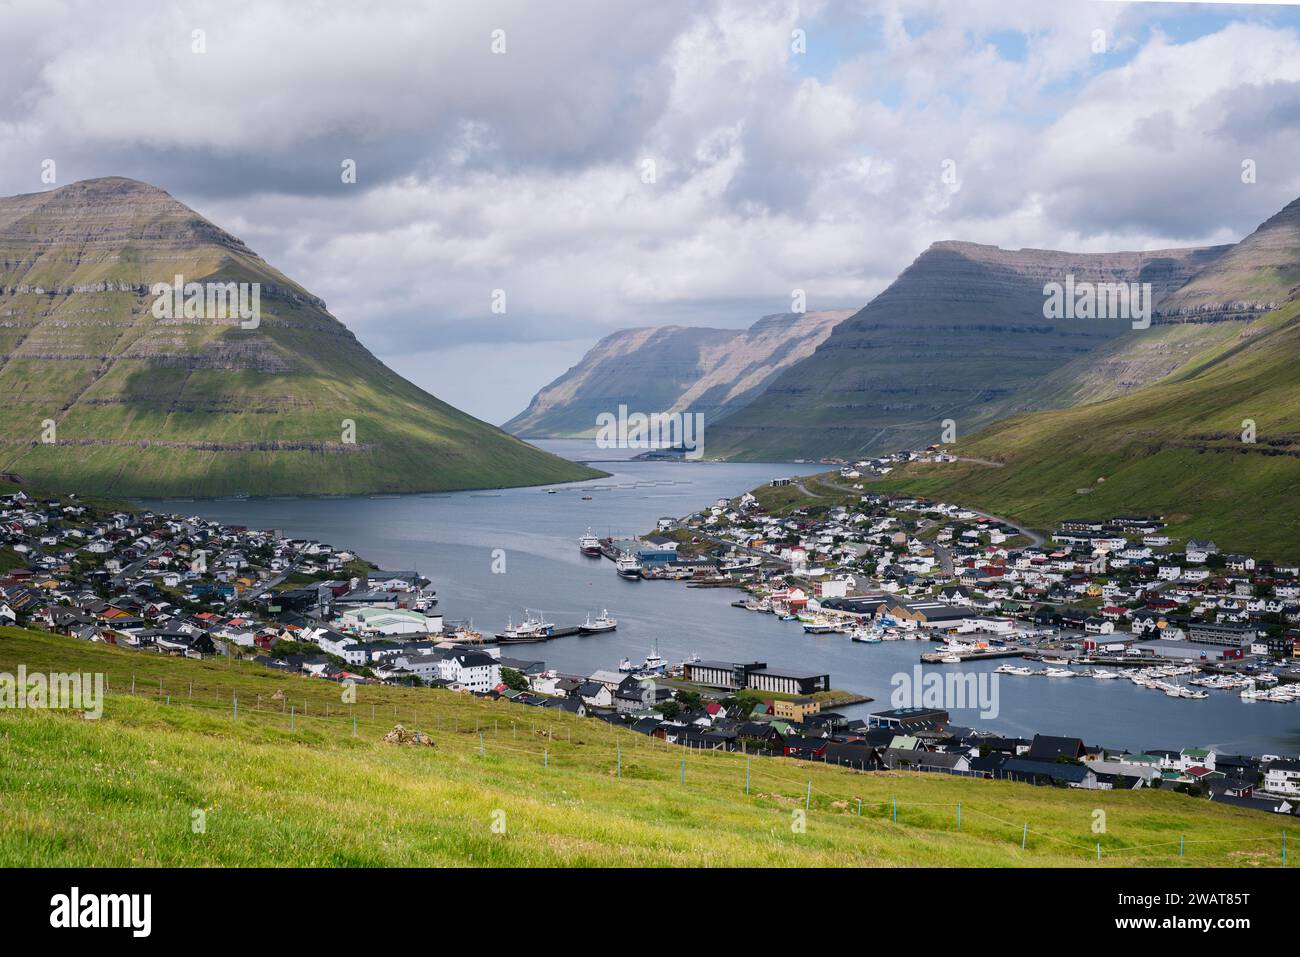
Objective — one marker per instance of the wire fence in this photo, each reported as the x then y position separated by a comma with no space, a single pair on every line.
552,740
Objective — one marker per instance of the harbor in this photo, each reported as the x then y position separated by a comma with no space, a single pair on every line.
451,539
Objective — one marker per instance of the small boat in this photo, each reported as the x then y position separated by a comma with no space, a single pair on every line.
819,626
628,567
951,659
586,498
550,491
1061,673
625,666
589,545
601,624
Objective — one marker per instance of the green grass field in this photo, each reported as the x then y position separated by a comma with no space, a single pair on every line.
278,790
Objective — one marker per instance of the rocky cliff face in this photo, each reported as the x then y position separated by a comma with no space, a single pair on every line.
959,336
673,369
104,396
1255,276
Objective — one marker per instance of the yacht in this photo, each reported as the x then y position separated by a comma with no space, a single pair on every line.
601,624
1012,670
951,659
1061,673
589,545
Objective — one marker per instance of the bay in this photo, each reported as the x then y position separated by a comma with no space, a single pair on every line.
452,538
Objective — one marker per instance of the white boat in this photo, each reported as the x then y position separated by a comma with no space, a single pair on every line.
628,567
654,665
625,666
819,626
602,624
951,659
1060,673
532,628
1012,670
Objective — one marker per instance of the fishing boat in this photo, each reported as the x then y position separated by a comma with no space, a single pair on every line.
653,664
628,567
625,666
589,545
532,628
601,624
865,636
819,626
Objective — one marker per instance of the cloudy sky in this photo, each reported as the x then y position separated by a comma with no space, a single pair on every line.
816,145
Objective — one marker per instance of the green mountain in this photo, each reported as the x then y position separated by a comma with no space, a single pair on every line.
960,334
673,369
1174,446
103,396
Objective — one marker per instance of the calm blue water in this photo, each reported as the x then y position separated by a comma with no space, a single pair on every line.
451,538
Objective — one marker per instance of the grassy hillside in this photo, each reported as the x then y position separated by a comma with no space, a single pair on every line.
123,790
960,334
1173,447
201,406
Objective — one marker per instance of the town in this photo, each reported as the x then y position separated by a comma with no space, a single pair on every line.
1114,594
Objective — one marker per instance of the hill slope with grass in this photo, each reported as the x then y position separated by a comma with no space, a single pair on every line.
960,334
1174,447
286,782
200,406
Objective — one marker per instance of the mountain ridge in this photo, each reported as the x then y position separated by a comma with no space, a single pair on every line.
147,406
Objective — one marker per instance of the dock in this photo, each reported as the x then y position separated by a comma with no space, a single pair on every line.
936,657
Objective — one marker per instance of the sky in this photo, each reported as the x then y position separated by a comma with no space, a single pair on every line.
595,165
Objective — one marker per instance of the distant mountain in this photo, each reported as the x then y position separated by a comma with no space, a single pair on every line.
103,396
960,335
1175,446
673,369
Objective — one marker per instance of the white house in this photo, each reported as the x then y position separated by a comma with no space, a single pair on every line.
1282,777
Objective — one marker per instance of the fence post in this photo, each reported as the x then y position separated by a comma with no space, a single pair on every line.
480,744
354,726
1024,836
895,810
1284,848
747,775
1099,852
619,755
546,758
235,699
859,807
683,778
1180,845
290,717
959,815
807,800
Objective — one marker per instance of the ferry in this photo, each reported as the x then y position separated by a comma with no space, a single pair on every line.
628,567
602,624
589,545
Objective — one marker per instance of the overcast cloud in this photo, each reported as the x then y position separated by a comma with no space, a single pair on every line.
774,169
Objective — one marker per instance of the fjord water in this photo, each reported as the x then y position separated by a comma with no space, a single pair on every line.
452,538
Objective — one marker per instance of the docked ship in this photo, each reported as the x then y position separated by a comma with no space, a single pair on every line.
602,624
628,567
532,628
820,626
589,545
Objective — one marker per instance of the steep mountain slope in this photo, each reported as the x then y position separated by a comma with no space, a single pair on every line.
1254,277
157,406
673,369
1174,448
961,335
